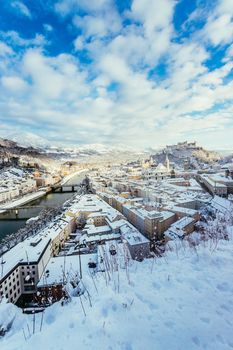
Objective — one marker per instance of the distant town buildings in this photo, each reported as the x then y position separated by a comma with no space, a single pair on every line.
17,182
14,183
217,183
183,145
87,221
132,207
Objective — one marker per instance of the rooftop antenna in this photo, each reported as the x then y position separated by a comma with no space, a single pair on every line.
2,263
27,257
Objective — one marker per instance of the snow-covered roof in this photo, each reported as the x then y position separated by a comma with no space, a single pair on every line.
24,252
222,204
132,235
177,229
187,211
62,268
99,237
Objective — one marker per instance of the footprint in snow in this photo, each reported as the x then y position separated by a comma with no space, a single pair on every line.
104,312
220,339
156,285
71,325
169,324
224,287
205,319
50,319
126,346
225,307
114,307
196,340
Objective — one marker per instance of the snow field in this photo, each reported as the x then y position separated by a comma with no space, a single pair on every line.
181,301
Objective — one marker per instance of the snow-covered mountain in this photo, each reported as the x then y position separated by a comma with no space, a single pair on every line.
192,155
28,139
16,142
95,148
101,148
10,151
90,151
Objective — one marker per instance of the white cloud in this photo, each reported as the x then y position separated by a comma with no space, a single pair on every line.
79,43
219,26
142,110
54,78
98,26
48,27
22,8
6,54
13,38
114,99
220,30
5,49
14,84
65,7
154,15
229,54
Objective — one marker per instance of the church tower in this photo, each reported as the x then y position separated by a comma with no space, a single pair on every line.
167,163
151,161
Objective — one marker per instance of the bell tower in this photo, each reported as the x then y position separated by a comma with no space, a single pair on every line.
167,163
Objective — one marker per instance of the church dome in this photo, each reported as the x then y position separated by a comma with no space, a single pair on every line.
161,168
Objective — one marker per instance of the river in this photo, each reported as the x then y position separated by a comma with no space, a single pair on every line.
8,224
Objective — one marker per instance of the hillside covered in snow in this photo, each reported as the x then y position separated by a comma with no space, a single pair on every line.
183,300
12,150
185,153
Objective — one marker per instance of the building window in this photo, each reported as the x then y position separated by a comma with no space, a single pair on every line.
29,288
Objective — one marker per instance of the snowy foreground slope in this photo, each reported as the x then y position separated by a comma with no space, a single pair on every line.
181,301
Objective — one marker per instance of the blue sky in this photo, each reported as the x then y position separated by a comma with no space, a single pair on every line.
140,73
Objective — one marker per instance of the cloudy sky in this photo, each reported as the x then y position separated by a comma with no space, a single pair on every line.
135,72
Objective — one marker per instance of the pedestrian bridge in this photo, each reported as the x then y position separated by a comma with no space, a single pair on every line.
20,213
66,188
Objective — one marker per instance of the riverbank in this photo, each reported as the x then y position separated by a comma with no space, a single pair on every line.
8,222
23,200
33,196
71,176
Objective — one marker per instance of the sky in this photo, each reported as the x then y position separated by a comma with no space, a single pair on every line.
142,73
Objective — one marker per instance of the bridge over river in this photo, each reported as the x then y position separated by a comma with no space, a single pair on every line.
10,222
66,188
19,213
